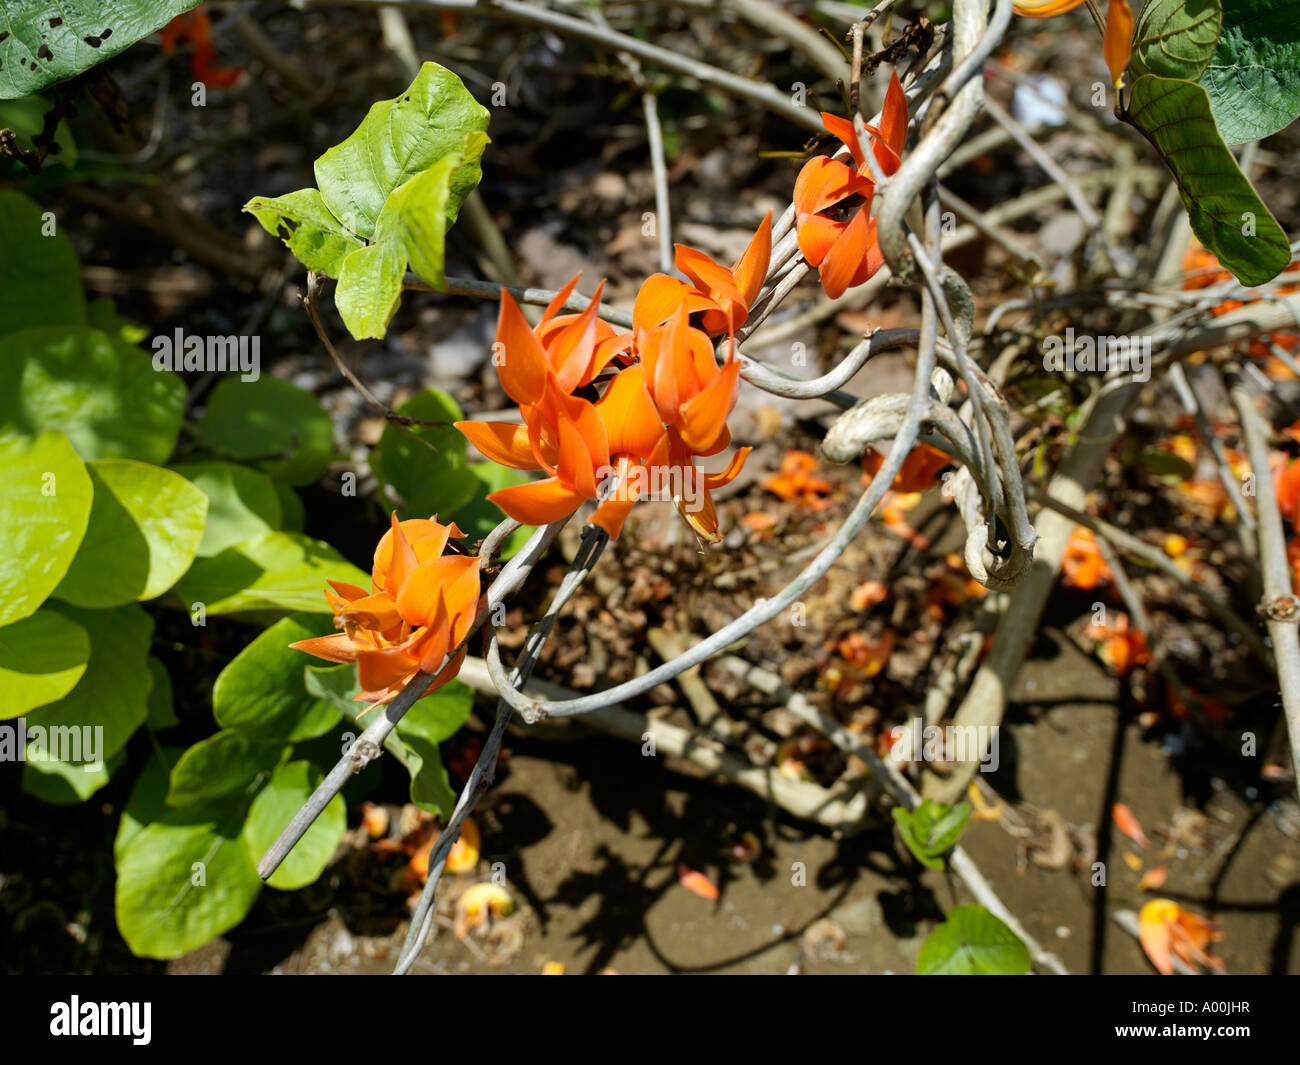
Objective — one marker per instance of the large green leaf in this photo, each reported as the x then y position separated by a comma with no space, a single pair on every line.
41,659
148,798
1254,78
113,692
277,571
422,469
398,139
1175,38
308,228
40,278
271,420
289,787
45,501
370,287
242,503
261,692
224,766
104,393
972,942
46,41
1225,212
145,525
182,881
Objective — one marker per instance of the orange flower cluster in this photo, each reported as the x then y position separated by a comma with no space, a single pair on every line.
1117,41
665,399
832,200
420,607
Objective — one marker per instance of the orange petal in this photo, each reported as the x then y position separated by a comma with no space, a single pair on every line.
501,442
336,648
824,182
377,612
538,502
817,235
659,298
751,268
1044,8
696,883
419,596
713,481
561,298
575,466
1117,45
1127,822
613,511
520,359
893,126
844,259
377,670
631,421
571,351
705,416
843,129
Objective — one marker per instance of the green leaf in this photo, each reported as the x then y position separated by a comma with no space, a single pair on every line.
182,881
242,503
278,571
221,767
42,658
261,692
104,393
45,500
972,942
398,139
145,526
439,716
1254,78
148,798
422,469
40,278
113,692
480,515
1175,38
370,288
290,786
26,117
47,41
66,784
1225,212
162,714
292,516
102,314
269,419
308,228
931,829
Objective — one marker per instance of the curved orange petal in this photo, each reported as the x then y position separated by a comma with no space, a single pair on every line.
377,670
377,612
659,298
631,421
519,357
713,481
1044,8
893,126
538,502
846,256
842,128
1117,44
417,602
817,235
502,442
872,260
751,268
824,182
572,349
557,304
705,416
575,466
336,648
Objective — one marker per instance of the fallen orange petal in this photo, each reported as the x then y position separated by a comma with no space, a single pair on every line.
1127,822
696,883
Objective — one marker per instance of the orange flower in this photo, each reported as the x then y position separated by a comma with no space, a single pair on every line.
1082,563
724,296
1286,485
1122,646
421,606
1117,42
1044,8
795,482
692,488
843,248
578,442
1167,931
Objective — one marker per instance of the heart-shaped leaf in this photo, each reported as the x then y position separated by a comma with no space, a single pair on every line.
290,786
41,659
45,501
1225,212
242,503
46,41
972,942
145,525
225,766
1254,78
